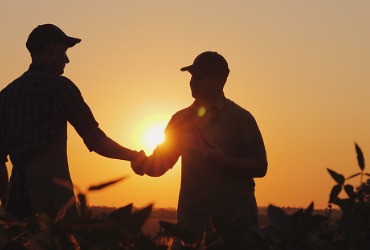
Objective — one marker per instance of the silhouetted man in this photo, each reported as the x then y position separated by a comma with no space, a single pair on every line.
221,151
34,111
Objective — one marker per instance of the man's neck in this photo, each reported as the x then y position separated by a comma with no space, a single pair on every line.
214,101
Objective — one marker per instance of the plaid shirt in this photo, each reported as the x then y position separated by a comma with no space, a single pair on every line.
35,107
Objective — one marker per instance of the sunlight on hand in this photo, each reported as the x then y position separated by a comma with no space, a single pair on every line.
152,136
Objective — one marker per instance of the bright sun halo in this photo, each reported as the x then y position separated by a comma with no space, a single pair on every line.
152,135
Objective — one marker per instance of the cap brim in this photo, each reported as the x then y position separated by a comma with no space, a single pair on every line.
187,68
72,41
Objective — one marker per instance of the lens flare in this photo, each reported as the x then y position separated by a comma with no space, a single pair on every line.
201,111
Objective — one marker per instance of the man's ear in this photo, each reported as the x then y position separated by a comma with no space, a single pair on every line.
50,49
221,81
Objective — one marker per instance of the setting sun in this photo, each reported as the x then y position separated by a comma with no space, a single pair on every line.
300,67
150,133
153,135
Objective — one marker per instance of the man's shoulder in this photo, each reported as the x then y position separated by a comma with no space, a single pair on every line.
51,77
180,116
236,109
54,81
40,81
40,76
182,111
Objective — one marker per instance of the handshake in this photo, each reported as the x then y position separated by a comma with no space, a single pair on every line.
138,163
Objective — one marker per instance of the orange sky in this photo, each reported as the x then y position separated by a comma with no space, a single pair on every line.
300,67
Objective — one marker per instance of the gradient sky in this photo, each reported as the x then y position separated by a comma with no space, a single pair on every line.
300,67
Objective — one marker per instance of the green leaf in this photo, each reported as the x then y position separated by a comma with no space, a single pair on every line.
335,192
309,209
337,177
350,191
83,208
134,222
278,218
63,183
360,157
106,184
122,212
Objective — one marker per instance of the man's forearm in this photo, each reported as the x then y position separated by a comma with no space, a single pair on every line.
112,149
162,159
156,166
247,167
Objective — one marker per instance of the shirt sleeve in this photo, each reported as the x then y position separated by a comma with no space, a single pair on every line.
167,154
78,113
252,142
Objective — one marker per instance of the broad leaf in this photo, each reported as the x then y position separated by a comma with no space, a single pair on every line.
122,212
106,184
337,177
134,222
64,183
309,209
278,218
63,210
83,208
335,192
360,157
350,191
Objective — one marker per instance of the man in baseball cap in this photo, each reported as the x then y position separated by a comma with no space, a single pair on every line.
45,34
209,63
221,149
35,109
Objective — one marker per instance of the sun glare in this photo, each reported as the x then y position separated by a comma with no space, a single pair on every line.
152,135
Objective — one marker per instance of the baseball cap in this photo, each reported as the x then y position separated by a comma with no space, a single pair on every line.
44,34
208,63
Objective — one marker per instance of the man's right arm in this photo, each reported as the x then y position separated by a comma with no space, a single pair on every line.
165,155
111,149
79,115
156,164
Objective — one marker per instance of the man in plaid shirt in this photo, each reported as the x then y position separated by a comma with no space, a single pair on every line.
34,111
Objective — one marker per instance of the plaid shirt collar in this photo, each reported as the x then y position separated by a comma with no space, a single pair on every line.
39,66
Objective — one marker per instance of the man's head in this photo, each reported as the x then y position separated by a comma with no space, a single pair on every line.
45,34
47,43
209,74
209,63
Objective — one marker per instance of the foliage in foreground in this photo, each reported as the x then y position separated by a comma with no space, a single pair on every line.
303,229
121,229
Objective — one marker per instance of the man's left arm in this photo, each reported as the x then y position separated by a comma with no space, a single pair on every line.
250,160
247,166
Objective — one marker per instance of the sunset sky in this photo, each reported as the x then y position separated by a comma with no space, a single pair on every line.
301,67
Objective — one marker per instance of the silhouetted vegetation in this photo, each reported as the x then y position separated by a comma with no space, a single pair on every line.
121,228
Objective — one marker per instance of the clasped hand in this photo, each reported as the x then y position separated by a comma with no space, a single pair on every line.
138,163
